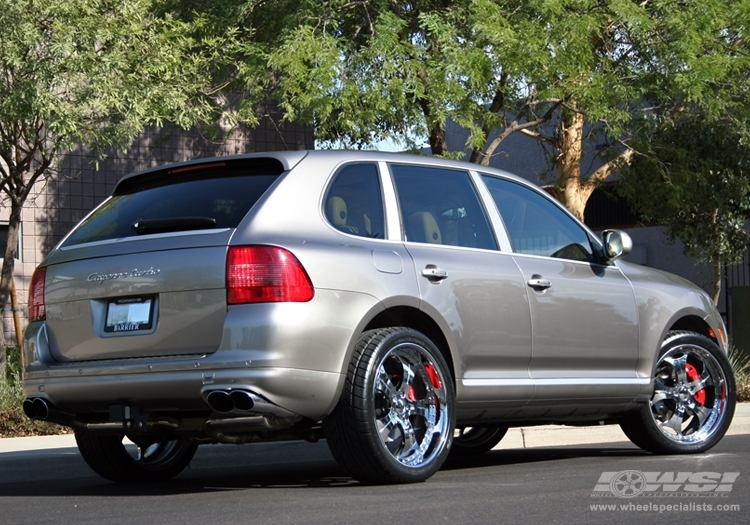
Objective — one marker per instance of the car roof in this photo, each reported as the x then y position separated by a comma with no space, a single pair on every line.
289,159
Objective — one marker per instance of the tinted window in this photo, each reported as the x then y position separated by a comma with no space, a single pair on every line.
536,225
209,199
441,206
354,202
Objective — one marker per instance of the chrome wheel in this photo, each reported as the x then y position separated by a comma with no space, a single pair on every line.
410,405
394,421
693,400
690,395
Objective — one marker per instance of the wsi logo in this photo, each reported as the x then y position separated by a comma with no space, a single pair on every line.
632,483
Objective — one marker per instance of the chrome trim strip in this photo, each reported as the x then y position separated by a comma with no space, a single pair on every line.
134,238
557,381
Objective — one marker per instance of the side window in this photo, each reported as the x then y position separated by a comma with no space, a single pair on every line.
536,225
354,202
441,206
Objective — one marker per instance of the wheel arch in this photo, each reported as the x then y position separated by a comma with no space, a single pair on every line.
418,320
693,323
686,320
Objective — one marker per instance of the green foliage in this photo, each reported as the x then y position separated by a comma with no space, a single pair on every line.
694,141
94,73
740,362
11,393
13,422
364,71
694,178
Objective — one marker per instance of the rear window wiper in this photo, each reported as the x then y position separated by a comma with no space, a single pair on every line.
172,224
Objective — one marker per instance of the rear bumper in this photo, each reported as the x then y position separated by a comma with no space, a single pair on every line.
293,355
308,393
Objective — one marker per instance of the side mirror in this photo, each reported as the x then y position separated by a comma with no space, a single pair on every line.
617,244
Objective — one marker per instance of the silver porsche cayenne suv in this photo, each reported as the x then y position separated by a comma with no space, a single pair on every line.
403,308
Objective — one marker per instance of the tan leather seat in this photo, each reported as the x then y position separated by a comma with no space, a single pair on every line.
424,228
336,211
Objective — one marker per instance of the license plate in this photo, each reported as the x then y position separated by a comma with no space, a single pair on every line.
133,314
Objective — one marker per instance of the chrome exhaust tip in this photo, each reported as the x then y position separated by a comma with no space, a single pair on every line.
242,400
41,408
36,408
220,401
28,408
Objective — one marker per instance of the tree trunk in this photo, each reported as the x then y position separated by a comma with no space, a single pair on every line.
438,142
716,259
716,291
6,276
573,193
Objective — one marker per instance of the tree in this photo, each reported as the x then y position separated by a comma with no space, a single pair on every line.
692,174
558,71
91,73
694,178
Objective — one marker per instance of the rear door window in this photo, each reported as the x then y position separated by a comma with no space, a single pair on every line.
215,196
441,206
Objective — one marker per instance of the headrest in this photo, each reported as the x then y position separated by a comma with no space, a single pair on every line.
336,211
425,227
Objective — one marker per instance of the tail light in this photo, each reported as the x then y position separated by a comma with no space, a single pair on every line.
37,309
266,274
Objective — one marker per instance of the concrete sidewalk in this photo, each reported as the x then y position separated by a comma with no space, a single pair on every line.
523,437
556,435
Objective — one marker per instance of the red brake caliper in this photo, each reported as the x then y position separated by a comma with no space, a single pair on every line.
434,379
693,375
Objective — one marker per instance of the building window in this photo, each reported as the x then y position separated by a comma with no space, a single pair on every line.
4,239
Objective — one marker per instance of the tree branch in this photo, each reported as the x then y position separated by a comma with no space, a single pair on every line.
515,126
498,102
538,136
613,166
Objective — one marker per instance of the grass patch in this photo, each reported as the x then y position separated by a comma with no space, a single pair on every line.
740,362
13,422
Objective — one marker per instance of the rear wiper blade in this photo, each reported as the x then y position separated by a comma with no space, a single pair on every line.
172,224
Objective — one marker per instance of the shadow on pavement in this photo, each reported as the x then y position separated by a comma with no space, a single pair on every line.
291,466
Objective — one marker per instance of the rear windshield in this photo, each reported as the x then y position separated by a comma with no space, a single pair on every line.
176,201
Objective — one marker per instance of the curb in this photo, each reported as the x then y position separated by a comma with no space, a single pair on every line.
522,437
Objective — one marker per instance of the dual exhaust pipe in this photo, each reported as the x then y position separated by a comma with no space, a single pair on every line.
224,402
37,408
243,402
41,409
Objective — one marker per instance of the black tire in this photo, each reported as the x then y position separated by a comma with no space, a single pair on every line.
397,381
473,441
693,401
155,460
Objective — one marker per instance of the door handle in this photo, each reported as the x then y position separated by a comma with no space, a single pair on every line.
537,282
434,274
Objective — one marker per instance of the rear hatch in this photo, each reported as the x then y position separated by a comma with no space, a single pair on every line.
144,274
